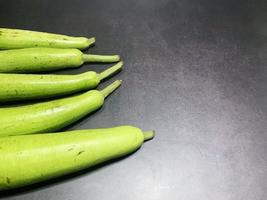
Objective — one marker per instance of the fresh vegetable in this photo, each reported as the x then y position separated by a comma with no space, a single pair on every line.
47,59
15,87
17,39
30,159
51,115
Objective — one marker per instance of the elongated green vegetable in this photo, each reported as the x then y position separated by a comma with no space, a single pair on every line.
17,39
15,87
47,59
51,115
30,159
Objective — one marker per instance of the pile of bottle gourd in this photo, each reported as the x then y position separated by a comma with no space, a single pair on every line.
32,148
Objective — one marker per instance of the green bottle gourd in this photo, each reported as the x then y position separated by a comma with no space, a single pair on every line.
52,115
30,159
16,87
18,39
47,59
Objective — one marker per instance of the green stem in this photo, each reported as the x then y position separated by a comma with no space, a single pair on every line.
110,88
100,58
112,70
148,135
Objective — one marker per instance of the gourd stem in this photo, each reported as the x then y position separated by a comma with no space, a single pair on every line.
110,88
100,58
112,70
148,135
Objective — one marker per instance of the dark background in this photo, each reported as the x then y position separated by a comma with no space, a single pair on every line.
195,71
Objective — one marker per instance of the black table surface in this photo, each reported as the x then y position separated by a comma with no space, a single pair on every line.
195,71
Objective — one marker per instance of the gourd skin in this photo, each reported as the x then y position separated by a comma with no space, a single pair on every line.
39,59
33,158
18,87
17,39
47,59
48,116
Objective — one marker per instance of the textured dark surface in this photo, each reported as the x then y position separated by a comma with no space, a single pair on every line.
195,71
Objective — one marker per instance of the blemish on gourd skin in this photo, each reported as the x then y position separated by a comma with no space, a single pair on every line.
8,181
80,152
70,149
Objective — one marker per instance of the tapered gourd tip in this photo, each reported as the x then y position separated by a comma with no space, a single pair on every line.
91,41
100,58
148,135
110,88
110,71
118,57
